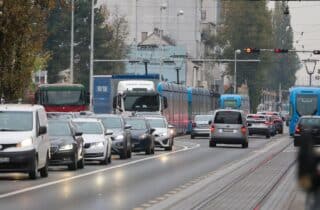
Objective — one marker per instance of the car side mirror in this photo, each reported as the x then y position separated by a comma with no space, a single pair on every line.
109,132
77,133
152,130
170,126
249,124
127,127
42,130
209,122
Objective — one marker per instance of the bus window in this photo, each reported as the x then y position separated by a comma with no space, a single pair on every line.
307,104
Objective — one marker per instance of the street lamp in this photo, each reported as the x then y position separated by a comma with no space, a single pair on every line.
72,42
310,71
91,55
180,13
162,7
237,51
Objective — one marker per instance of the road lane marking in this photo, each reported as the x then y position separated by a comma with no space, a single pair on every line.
16,192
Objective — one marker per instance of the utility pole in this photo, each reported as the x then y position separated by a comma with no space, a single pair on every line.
72,42
91,55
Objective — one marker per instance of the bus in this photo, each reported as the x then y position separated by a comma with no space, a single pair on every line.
235,101
302,101
62,97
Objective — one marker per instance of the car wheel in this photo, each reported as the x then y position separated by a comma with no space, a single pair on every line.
129,152
33,174
110,158
148,150
81,163
245,145
281,131
169,148
192,136
295,143
212,143
268,136
45,169
74,165
124,153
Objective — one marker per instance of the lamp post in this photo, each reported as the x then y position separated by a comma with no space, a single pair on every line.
162,7
91,55
72,42
237,51
180,13
310,71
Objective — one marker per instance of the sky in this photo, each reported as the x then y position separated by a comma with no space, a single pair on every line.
305,22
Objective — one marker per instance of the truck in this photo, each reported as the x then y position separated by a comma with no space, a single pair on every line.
127,94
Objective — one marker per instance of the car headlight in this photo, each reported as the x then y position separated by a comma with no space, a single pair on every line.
97,144
119,137
143,136
66,147
164,134
25,143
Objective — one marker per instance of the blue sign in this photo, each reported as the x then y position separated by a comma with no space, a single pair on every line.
102,94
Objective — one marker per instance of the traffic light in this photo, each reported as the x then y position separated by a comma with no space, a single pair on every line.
251,50
277,50
316,52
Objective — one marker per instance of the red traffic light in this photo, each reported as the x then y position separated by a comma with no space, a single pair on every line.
316,52
251,50
277,50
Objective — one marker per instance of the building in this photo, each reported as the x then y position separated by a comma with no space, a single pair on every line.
182,21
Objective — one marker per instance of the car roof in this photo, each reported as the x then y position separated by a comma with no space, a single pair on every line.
85,120
229,110
20,107
106,115
310,116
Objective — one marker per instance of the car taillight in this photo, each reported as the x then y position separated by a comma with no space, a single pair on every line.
243,130
297,130
194,124
212,128
267,123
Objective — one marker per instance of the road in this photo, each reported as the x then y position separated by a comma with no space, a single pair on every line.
137,183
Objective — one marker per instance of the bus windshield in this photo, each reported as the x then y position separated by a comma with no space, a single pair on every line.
141,103
230,104
63,97
307,105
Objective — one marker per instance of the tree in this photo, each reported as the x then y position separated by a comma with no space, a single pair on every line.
22,34
110,32
285,65
247,24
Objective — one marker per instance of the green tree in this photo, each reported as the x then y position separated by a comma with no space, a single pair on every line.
248,24
285,65
110,32
22,34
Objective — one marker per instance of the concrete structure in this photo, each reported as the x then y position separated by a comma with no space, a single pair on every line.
186,30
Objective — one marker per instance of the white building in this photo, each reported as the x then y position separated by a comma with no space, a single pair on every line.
180,20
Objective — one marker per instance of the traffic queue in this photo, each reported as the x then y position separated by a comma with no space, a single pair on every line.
32,140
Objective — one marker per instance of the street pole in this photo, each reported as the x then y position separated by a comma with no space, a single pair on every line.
235,70
91,55
178,69
72,42
162,7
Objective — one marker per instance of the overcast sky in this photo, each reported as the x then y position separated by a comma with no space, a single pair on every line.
305,21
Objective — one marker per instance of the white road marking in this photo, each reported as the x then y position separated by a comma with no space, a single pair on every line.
5,195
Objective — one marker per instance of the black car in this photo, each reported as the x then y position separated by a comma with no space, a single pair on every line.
121,137
66,144
307,124
141,135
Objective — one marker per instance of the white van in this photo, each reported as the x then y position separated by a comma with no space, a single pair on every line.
24,143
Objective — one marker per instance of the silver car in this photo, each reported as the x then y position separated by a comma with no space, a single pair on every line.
200,126
163,132
228,127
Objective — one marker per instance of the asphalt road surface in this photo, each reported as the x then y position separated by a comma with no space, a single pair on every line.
124,184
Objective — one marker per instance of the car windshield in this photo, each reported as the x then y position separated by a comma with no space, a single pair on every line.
89,127
111,122
202,117
16,121
228,117
157,123
59,128
137,124
307,104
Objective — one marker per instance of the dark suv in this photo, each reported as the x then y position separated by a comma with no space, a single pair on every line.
307,124
228,127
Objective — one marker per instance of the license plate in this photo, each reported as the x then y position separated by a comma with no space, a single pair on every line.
228,130
4,160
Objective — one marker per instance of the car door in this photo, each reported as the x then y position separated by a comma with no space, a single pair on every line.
42,140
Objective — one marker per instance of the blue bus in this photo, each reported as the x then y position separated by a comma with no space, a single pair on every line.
235,101
302,101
